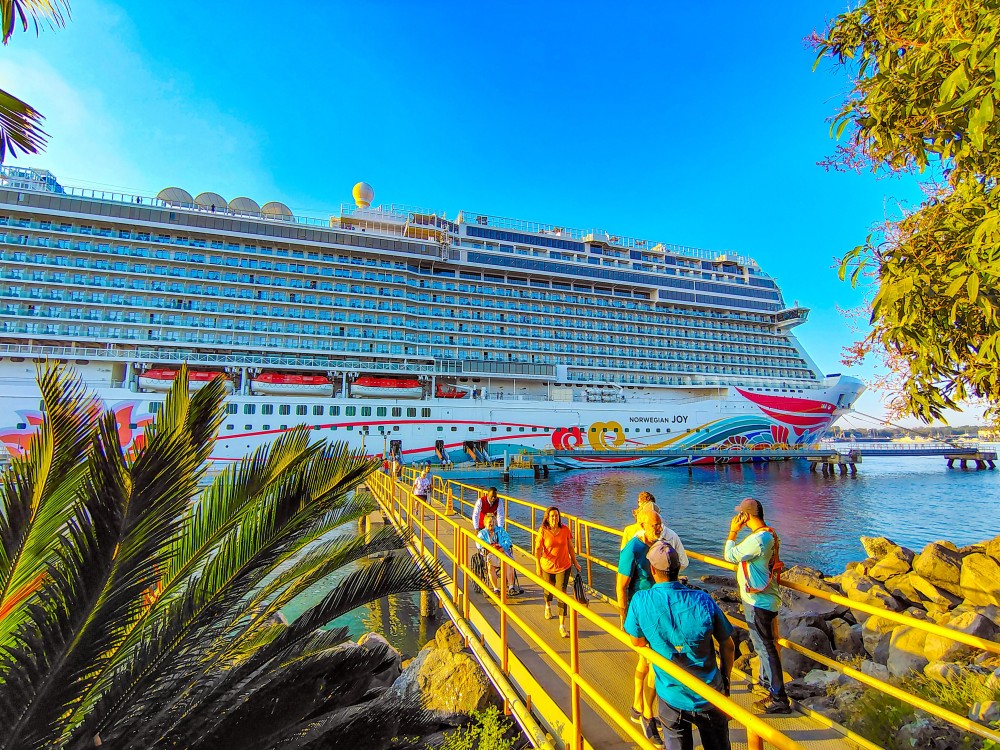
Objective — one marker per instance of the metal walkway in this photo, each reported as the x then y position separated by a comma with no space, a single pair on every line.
566,693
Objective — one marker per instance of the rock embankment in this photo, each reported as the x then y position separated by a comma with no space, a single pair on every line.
957,587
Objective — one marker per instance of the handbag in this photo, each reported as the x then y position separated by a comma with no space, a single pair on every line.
580,590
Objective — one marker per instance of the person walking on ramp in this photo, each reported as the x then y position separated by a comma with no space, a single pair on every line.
758,570
680,623
634,575
554,558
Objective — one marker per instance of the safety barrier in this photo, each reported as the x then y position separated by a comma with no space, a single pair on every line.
427,522
458,497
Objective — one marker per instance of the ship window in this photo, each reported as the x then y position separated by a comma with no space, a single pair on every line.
397,411
318,411
366,411
493,428
334,411
509,429
520,429
301,410
317,427
472,429
231,408
229,427
534,429
284,410
266,427
248,427
440,428
249,408
380,411
267,409
425,412
22,425
283,427
395,428
350,411
411,412
133,426
350,428
333,427
454,429
155,407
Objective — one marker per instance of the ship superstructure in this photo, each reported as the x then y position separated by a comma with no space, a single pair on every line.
393,324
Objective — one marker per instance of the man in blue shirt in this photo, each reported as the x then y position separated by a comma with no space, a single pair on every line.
758,585
634,575
679,623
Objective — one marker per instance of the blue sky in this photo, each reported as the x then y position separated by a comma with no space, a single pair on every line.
694,125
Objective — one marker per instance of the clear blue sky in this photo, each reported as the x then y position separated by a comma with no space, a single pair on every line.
694,125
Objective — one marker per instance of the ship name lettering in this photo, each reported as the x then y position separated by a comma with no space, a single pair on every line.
681,418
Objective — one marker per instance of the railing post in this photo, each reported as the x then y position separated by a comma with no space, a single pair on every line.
590,572
574,664
754,740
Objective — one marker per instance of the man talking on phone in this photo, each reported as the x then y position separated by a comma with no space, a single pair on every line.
757,573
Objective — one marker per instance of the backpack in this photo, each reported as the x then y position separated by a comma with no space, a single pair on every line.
774,565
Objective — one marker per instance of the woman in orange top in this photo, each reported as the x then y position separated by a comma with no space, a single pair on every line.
554,557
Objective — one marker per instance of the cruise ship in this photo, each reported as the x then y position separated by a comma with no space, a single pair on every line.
398,329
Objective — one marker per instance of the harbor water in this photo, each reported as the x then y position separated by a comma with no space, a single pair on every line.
913,501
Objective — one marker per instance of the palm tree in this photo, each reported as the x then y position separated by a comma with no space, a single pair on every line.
137,612
20,123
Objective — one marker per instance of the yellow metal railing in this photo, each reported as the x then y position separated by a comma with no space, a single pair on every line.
427,521
455,495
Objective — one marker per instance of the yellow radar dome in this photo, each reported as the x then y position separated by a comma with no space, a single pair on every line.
363,194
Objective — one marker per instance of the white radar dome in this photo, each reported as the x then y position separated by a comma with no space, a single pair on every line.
276,210
244,205
363,194
211,200
175,196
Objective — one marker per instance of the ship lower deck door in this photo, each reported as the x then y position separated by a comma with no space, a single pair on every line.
396,449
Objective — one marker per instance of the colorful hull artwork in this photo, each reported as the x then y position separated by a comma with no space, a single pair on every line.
600,434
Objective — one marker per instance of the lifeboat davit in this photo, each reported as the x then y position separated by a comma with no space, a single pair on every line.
161,380
368,386
450,391
281,384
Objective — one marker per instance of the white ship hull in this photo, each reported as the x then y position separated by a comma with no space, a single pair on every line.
600,433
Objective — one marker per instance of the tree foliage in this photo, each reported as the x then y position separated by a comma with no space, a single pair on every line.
925,88
137,611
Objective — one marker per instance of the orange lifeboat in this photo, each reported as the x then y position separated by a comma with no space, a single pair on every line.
450,391
160,380
369,386
281,384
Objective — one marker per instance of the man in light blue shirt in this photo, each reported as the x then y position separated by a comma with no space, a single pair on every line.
680,623
758,585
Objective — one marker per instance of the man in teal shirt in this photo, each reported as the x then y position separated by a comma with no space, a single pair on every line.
634,575
680,623
761,600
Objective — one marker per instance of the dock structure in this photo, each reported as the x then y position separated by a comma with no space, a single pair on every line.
982,459
575,693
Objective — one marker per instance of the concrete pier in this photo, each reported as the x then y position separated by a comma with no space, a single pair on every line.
831,463
982,459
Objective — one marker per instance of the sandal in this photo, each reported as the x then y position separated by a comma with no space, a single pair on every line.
548,612
563,632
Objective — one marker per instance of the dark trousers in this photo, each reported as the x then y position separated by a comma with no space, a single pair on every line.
761,624
559,580
713,726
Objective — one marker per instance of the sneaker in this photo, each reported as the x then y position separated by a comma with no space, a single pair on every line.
650,732
635,716
563,632
548,612
496,591
761,691
771,705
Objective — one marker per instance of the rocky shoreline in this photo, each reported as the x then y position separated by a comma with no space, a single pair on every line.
948,585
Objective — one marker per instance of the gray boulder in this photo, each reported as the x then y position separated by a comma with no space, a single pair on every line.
940,648
387,676
448,684
933,594
814,639
847,638
862,588
798,603
906,652
825,705
872,669
923,734
902,588
824,678
789,621
993,548
981,579
940,565
986,712
895,563
943,671
876,634
878,547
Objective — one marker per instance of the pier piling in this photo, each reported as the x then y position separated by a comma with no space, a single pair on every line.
982,459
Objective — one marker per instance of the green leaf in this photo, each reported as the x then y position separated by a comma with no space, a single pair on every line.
973,287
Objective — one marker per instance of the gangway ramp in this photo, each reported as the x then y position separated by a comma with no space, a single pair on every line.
576,690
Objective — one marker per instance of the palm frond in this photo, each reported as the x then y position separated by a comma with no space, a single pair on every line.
52,13
20,127
37,492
